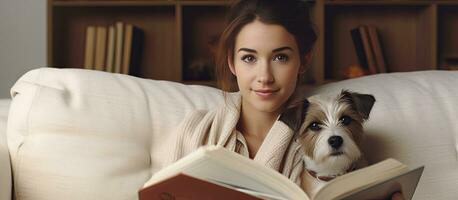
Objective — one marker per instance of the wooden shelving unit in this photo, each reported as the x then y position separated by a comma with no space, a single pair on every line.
415,34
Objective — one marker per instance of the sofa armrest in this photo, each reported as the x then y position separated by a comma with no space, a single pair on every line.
5,165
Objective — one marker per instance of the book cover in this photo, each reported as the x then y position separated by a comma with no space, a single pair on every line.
405,182
178,187
376,181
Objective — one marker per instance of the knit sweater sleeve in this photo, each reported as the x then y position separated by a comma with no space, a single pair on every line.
187,137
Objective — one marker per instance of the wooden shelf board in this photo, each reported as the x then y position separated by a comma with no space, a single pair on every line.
113,3
206,83
377,3
390,2
139,3
448,3
205,3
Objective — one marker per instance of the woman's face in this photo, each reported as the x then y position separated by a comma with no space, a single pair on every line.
266,64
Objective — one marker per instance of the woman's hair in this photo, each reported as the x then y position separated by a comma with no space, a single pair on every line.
293,15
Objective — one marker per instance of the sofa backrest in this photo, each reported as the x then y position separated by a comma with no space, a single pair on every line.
82,134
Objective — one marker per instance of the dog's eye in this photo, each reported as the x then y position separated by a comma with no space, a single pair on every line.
346,120
315,126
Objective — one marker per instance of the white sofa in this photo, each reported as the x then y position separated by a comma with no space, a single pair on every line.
5,171
81,134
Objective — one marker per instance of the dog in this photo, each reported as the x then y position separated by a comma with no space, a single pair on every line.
330,132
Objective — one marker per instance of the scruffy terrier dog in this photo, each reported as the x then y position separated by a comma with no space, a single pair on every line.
331,135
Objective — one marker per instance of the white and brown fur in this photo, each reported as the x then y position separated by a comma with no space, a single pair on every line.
331,134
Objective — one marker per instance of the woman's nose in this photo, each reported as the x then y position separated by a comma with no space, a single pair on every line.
265,75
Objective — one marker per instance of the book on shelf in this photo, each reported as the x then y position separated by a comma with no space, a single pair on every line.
133,39
114,48
213,172
119,47
368,49
359,48
128,31
363,31
89,50
110,49
377,49
100,48
451,62
136,52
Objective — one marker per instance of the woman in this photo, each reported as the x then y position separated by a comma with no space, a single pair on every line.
262,53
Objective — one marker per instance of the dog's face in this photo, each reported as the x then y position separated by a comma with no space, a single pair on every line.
331,131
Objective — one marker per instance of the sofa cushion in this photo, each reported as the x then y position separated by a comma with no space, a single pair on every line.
82,134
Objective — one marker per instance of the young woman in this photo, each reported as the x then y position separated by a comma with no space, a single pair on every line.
262,54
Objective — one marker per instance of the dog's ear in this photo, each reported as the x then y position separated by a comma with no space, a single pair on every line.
294,113
363,103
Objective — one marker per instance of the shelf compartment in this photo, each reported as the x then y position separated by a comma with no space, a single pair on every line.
202,26
448,30
407,34
158,23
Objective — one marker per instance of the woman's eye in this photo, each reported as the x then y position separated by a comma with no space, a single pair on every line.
315,126
281,58
248,58
346,120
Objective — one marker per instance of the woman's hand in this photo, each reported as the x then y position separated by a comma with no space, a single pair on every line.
397,196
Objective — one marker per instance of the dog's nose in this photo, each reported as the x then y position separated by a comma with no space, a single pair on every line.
335,141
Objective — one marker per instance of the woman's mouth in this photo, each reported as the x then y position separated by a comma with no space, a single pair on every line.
265,93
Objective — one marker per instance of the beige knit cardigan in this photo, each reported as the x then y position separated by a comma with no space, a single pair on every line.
279,150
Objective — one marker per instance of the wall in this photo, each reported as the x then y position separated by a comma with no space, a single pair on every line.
22,39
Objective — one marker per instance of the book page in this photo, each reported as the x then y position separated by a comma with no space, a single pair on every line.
361,178
221,165
218,172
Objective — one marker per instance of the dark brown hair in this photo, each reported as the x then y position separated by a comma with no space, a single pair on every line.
293,15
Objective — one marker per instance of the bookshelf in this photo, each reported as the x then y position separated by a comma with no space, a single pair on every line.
415,34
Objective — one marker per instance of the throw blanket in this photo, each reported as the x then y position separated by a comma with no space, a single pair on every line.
279,150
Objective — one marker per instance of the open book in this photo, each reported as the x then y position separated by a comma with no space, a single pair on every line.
214,172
